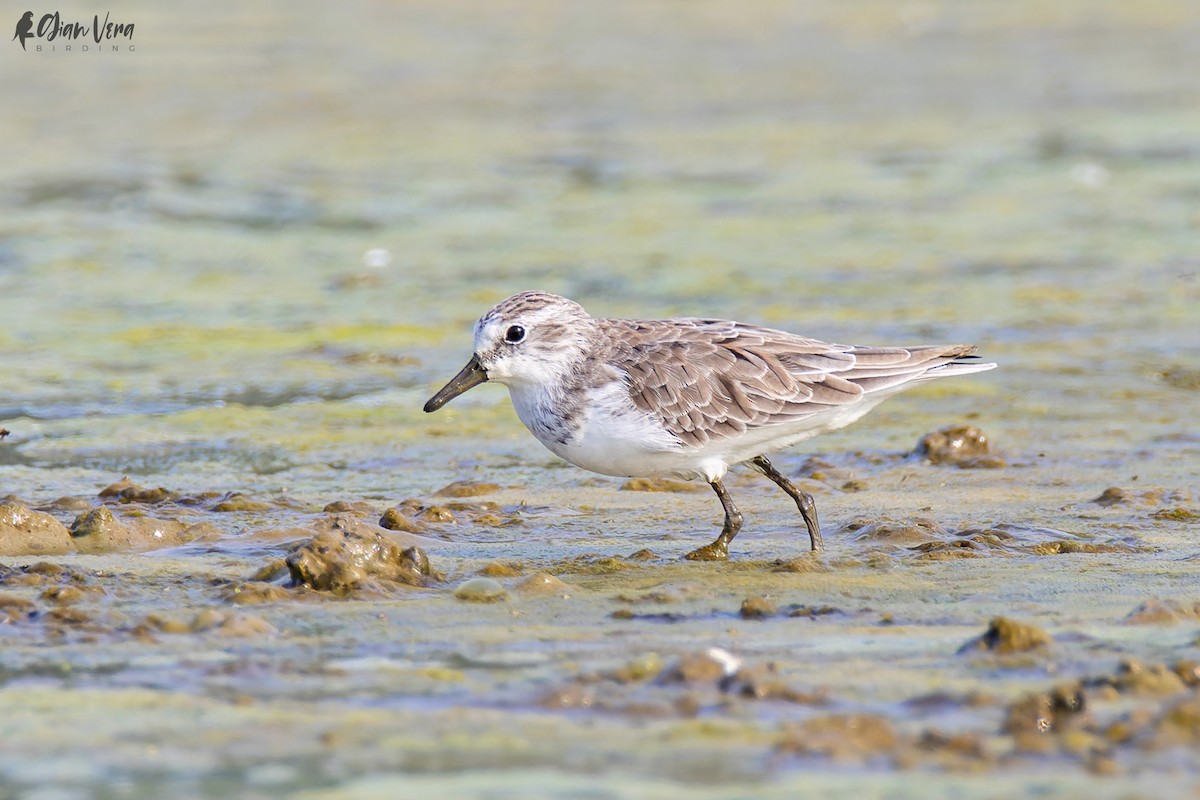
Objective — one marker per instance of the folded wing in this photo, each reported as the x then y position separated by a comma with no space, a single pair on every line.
711,379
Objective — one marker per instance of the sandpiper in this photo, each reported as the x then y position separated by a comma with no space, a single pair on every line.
685,398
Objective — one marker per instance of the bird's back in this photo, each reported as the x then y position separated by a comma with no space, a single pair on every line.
709,380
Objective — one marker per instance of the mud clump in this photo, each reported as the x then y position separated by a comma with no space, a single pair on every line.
963,446
502,569
237,501
1163,612
24,532
350,507
99,531
396,520
480,590
126,491
1054,712
224,624
542,583
912,532
842,737
1116,496
468,489
41,574
1006,636
757,608
349,556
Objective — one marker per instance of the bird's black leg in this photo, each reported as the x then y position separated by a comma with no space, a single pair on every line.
719,550
804,500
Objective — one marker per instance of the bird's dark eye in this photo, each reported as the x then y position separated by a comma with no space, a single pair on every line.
514,334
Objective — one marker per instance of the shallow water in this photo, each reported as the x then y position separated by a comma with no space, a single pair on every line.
239,259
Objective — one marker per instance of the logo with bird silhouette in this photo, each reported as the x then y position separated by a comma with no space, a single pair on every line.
24,28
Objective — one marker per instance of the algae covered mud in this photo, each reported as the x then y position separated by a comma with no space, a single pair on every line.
237,559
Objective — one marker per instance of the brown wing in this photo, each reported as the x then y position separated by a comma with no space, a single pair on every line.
709,379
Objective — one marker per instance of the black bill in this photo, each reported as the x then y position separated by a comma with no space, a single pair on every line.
469,377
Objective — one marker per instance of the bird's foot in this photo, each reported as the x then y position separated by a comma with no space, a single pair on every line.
717,551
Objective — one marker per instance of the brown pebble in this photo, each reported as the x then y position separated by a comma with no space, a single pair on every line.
349,555
438,514
480,590
394,519
467,489
542,583
706,666
843,737
757,608
1163,612
68,595
1113,495
959,445
26,532
239,502
350,507
1004,635
1156,679
501,569
255,593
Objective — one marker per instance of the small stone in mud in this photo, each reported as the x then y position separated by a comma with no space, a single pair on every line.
468,489
438,514
231,624
659,485
396,520
1182,378
239,502
1163,612
803,563
912,532
346,557
98,531
811,612
480,590
126,491
843,737
25,532
959,445
542,583
1188,671
219,623
641,668
16,609
706,666
359,507
66,503
762,682
1113,495
273,570
501,569
645,554
69,595
255,593
1055,711
41,573
1133,677
1005,635
757,608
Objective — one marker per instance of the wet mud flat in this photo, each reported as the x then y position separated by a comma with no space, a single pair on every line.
466,640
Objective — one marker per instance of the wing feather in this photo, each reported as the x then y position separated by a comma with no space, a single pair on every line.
712,379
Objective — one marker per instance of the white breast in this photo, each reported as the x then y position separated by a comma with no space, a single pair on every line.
613,436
